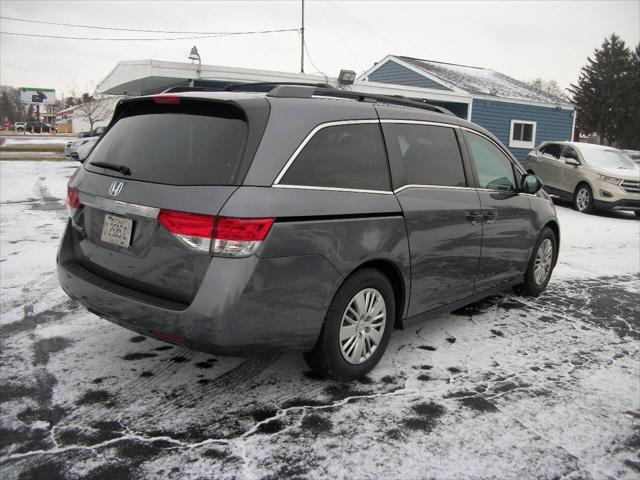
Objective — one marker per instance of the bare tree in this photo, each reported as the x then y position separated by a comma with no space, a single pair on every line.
548,86
94,110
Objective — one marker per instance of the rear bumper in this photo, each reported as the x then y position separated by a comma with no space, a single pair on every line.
623,204
244,306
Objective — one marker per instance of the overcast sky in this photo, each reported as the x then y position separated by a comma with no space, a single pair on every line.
522,39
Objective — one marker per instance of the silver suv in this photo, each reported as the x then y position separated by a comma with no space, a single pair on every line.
591,176
240,223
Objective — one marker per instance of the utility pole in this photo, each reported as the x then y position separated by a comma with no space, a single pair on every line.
302,41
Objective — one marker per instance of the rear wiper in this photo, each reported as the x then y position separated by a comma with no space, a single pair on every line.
113,166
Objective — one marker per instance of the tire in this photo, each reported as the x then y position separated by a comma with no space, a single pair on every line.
533,285
327,358
583,199
637,213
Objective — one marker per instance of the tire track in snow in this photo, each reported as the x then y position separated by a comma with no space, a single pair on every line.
233,378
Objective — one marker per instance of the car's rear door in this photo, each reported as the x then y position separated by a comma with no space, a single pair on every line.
548,166
506,232
442,211
150,187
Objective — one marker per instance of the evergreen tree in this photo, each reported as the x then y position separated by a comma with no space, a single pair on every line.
604,91
630,129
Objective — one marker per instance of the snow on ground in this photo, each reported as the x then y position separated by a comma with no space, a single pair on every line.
509,387
29,140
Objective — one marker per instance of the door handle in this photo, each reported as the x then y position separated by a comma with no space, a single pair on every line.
474,217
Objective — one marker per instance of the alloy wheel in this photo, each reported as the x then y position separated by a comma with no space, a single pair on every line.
362,326
543,262
582,199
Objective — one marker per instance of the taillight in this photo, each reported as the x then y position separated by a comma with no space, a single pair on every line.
240,237
232,237
195,230
73,200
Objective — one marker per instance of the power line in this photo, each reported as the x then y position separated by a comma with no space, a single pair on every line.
326,78
216,35
344,42
365,26
45,22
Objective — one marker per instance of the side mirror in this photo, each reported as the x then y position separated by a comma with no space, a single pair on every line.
530,184
572,161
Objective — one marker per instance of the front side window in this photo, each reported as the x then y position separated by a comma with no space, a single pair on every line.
495,170
523,134
570,153
428,154
342,156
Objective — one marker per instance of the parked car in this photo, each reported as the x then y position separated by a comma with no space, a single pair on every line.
240,223
18,126
38,127
593,177
79,149
96,132
633,155
83,150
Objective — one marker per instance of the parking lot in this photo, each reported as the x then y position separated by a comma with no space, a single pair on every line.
509,387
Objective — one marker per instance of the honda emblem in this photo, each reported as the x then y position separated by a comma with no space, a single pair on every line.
115,188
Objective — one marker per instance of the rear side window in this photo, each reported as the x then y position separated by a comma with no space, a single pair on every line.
552,150
494,168
342,156
428,154
175,145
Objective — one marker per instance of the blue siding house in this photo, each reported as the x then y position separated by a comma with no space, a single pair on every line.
520,116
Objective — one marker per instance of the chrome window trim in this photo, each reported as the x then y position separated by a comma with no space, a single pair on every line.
306,140
440,187
419,122
444,187
493,190
276,183
332,189
116,206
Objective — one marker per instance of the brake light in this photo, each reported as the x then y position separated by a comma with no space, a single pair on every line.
166,99
193,229
224,236
73,200
240,237
183,223
243,229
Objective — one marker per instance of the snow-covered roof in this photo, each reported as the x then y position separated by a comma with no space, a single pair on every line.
66,110
477,80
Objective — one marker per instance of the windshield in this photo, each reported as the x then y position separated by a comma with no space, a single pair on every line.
612,159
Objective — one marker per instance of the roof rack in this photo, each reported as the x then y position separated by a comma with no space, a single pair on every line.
191,89
243,87
269,86
298,91
309,90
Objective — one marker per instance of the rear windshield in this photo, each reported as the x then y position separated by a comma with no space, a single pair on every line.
192,144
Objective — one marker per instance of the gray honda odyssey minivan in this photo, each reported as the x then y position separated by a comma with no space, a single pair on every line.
304,218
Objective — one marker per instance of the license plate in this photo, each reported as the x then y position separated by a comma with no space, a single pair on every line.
117,230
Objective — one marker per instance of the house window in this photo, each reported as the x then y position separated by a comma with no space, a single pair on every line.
523,134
